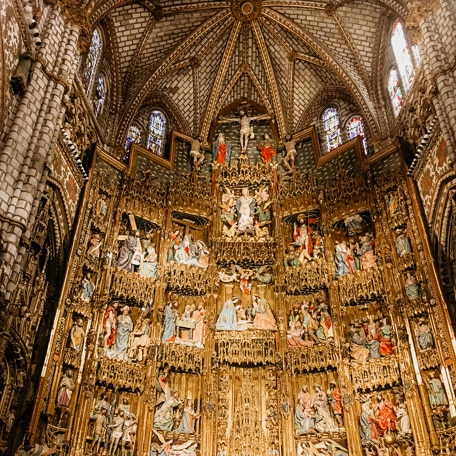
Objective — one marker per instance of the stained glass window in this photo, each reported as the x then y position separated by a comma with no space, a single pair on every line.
157,131
394,90
331,125
88,71
402,55
133,136
355,127
100,95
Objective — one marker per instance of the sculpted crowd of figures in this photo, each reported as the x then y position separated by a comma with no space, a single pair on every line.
250,308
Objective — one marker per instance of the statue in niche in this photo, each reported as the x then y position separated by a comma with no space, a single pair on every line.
122,335
367,426
199,332
228,212
164,415
221,150
246,130
323,419
94,247
369,327
288,161
139,341
110,324
174,240
342,259
263,212
365,252
358,350
77,335
87,288
128,248
169,330
191,253
116,428
245,209
268,148
101,208
403,420
303,417
149,264
393,204
66,388
385,415
403,245
412,287
227,319
189,417
99,427
129,430
262,314
102,403
196,154
436,391
424,335
335,401
302,239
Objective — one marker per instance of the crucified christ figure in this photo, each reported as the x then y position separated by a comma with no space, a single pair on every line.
246,130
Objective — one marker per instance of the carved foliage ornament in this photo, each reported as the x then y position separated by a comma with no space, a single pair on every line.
246,10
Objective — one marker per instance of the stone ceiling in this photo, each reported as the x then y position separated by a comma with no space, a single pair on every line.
280,56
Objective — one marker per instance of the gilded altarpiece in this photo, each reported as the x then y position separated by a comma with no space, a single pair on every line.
261,310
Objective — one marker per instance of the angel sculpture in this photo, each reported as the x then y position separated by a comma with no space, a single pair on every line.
229,275
228,213
244,279
263,275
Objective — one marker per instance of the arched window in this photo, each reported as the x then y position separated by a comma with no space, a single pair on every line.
355,127
90,66
157,131
100,95
133,136
394,90
402,55
331,126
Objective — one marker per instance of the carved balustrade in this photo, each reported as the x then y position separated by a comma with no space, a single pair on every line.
310,277
429,360
308,359
406,262
187,280
244,252
191,194
376,373
145,198
252,348
131,285
72,358
121,374
416,307
343,187
232,176
299,194
181,358
363,286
